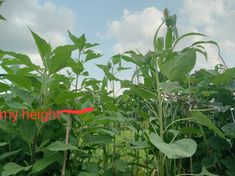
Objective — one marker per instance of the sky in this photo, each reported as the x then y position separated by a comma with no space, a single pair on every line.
116,25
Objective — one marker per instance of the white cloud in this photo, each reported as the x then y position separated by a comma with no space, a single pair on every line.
216,19
48,20
211,17
135,30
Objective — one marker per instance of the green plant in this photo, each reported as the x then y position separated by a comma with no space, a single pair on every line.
164,120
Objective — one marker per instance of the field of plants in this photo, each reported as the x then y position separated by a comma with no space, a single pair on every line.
165,120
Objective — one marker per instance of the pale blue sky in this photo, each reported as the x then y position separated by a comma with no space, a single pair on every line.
118,25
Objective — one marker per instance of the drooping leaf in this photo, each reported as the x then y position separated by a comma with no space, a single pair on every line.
116,59
205,121
134,57
180,149
105,69
7,154
188,35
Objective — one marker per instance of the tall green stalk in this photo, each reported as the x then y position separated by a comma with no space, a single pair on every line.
160,118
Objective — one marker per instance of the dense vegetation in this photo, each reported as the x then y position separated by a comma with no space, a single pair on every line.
165,121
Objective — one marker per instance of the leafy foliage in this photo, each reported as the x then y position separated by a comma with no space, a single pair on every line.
163,120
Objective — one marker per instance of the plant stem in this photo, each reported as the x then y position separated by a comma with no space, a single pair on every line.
66,142
160,119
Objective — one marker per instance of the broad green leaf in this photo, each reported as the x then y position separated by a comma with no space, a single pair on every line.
79,42
224,78
44,48
183,64
7,154
13,168
76,66
60,58
180,149
21,81
60,146
177,66
42,164
229,129
205,121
